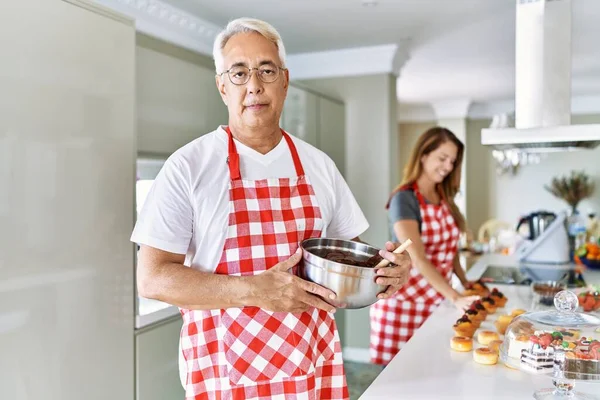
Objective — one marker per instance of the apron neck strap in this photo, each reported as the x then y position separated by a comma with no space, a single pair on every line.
295,156
233,158
422,201
420,197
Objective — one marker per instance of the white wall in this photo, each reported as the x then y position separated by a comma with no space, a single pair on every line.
371,165
371,139
511,196
67,156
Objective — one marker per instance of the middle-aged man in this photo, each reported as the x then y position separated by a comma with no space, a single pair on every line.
221,228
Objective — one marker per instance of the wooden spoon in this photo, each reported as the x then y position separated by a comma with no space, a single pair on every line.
385,262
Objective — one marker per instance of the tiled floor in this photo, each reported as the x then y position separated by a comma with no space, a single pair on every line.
359,376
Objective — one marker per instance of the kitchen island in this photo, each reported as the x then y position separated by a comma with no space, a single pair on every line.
426,368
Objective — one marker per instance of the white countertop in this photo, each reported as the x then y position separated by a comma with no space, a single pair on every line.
153,311
426,368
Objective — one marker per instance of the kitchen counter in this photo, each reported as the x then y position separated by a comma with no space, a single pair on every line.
152,312
426,368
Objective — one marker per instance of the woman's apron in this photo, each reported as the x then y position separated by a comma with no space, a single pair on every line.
251,353
395,320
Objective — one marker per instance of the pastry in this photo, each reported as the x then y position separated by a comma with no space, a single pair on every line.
480,288
517,311
494,345
470,292
522,326
485,356
477,306
485,337
489,304
475,317
502,323
498,297
461,343
464,327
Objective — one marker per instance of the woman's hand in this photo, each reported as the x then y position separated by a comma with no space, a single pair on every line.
394,276
468,284
464,302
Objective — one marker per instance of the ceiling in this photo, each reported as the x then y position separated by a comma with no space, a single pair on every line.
459,49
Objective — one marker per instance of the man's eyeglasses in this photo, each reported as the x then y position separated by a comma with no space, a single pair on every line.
240,75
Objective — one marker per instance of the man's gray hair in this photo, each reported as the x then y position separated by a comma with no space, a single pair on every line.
245,25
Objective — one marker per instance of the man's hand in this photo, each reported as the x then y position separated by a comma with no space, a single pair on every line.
394,276
278,290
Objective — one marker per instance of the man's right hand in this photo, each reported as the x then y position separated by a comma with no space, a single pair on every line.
279,290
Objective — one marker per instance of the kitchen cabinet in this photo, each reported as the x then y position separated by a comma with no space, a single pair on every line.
317,120
332,135
177,100
156,361
300,115
67,145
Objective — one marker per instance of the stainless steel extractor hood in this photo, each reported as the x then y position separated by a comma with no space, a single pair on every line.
543,84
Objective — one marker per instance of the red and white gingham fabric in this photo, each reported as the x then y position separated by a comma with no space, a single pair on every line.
395,320
251,353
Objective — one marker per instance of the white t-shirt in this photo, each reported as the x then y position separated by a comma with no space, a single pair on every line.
186,211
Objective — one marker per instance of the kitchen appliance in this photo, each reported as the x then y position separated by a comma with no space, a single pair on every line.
537,223
543,84
550,247
526,274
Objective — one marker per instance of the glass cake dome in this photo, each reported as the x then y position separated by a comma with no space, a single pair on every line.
561,343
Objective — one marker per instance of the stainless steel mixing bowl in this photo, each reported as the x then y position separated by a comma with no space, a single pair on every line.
354,286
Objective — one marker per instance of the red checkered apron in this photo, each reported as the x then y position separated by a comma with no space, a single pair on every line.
251,353
395,320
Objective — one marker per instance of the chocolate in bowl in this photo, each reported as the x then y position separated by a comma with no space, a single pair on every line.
546,290
343,266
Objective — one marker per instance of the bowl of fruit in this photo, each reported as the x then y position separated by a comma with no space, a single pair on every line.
589,255
589,299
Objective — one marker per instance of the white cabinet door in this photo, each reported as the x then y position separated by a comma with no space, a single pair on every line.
300,115
67,145
332,135
157,368
177,100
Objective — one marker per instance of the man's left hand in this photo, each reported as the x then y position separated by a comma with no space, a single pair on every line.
394,275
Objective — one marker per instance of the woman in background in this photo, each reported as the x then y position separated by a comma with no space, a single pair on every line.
422,208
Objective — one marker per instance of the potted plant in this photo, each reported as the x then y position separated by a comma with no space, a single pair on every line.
572,188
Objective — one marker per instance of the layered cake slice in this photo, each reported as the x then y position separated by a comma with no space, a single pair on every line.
538,357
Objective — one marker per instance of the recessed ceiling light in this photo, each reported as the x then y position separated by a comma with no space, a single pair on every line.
369,3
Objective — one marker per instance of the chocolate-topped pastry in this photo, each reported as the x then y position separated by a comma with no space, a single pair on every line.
475,316
480,287
489,304
478,306
498,297
464,327
489,300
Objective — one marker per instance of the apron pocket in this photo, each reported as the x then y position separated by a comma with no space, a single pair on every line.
262,346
